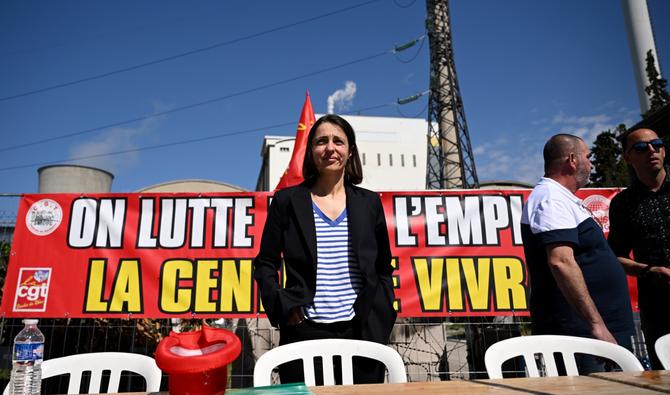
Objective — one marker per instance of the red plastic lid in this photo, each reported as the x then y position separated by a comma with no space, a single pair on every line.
197,351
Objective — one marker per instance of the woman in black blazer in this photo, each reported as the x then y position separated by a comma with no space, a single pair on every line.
331,169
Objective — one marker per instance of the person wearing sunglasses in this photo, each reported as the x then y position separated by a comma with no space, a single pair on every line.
640,222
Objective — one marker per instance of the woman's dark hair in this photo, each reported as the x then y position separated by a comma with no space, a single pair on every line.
353,171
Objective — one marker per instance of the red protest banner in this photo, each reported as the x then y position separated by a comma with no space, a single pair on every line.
456,253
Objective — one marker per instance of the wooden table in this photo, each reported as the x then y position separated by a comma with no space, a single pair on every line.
658,380
615,383
542,386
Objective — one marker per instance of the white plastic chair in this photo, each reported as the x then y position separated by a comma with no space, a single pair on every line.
96,363
662,347
547,345
327,349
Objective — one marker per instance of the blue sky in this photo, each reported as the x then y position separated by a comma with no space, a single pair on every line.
527,69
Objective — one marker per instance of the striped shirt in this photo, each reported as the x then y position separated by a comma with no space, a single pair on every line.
338,278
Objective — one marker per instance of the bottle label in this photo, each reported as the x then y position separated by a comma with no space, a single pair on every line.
25,352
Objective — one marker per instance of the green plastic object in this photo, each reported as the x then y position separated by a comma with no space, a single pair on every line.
280,389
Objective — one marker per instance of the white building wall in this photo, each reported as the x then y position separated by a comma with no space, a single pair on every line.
393,152
277,151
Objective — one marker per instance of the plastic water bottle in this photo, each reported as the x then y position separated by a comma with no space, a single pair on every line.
27,360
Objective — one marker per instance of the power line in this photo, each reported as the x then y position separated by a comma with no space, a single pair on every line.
146,148
409,45
90,38
410,99
184,54
402,114
176,143
404,5
194,105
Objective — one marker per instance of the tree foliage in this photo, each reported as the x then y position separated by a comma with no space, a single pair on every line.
610,169
656,90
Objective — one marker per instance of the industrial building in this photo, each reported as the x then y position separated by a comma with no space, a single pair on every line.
392,151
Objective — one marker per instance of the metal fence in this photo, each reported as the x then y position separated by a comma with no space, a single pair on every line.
75,336
433,349
438,350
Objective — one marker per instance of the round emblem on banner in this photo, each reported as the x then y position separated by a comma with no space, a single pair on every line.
43,217
599,206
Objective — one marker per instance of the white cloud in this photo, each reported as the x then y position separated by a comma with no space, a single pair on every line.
114,140
500,165
588,127
342,98
632,112
608,104
518,156
502,159
562,119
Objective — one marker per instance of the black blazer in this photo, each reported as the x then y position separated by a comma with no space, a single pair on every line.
289,229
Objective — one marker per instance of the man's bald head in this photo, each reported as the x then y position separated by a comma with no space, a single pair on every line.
558,148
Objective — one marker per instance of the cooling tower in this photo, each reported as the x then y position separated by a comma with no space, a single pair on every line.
73,178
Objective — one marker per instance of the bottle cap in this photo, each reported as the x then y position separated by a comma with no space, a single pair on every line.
30,321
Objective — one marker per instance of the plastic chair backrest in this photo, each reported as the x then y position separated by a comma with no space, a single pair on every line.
547,345
96,363
662,347
327,349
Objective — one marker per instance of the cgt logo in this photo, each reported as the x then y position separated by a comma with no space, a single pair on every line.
599,207
32,293
32,289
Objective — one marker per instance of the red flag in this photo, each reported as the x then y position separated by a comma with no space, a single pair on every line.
293,174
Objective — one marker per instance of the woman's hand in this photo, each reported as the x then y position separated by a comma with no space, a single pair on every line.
295,316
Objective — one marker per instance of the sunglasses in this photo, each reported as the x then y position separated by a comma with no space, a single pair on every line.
642,146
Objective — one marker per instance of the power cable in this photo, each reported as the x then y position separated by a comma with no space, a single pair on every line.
147,148
410,99
397,3
360,110
408,45
402,114
188,53
198,104
90,38
175,143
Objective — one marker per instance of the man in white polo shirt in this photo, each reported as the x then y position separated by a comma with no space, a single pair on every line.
578,287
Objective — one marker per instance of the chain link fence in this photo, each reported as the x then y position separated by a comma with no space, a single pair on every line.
432,348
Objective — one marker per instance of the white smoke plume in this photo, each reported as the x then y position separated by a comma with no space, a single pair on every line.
342,98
